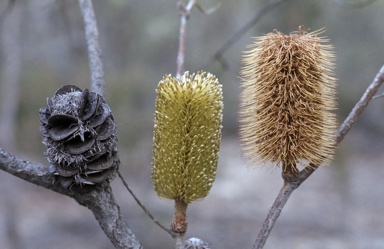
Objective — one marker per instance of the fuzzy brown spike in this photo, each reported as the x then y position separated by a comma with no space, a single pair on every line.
287,98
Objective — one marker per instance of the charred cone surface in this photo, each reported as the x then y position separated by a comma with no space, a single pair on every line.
79,132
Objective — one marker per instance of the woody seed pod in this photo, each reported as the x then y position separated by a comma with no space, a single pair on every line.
80,135
187,137
287,98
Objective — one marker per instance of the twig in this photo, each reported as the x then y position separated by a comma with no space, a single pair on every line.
289,187
218,56
185,11
144,208
274,213
179,241
378,96
100,201
360,106
94,51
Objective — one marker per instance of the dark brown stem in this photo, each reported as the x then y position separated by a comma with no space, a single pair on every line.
146,211
94,51
185,11
100,200
289,187
290,172
179,223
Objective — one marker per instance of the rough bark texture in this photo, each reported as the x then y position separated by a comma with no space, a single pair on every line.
100,200
94,51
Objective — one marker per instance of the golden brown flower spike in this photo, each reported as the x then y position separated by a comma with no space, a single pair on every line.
287,98
187,137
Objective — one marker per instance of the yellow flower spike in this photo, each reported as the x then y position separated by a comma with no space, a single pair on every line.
287,100
187,137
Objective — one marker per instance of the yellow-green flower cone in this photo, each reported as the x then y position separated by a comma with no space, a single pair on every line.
187,136
287,100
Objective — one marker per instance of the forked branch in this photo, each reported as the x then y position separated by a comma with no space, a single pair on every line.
289,187
100,200
218,56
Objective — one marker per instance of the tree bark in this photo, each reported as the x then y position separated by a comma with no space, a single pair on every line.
94,51
100,201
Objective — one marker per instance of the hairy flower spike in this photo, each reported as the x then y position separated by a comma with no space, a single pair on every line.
187,136
287,99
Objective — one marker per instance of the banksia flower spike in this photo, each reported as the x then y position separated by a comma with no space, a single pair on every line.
79,132
287,101
187,137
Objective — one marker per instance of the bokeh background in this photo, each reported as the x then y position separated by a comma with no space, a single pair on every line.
43,47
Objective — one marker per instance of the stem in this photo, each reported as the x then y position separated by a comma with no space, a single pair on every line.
179,223
360,106
289,187
179,241
146,211
94,51
290,172
218,56
274,213
185,11
351,119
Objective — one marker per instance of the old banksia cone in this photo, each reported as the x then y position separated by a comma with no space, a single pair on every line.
187,137
79,132
287,100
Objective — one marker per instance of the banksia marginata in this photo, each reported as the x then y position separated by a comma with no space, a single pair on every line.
287,99
187,137
79,132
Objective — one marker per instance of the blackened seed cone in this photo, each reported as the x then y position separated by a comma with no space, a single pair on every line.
79,132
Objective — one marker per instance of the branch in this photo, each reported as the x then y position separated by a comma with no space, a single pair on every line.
360,106
289,187
100,201
218,56
185,11
94,51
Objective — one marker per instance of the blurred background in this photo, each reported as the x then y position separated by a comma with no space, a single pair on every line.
42,47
